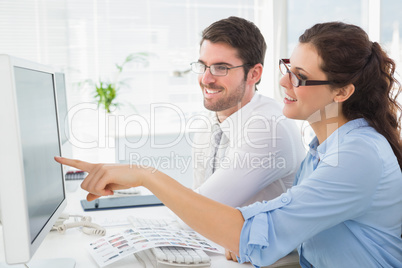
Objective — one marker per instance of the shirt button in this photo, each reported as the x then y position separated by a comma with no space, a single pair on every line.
284,199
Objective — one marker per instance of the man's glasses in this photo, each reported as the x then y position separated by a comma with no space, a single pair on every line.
296,81
215,69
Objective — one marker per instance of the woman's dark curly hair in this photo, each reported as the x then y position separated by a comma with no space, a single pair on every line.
349,57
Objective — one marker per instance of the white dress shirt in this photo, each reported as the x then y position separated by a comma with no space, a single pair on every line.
262,152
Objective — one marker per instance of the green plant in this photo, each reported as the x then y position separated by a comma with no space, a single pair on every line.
106,91
105,95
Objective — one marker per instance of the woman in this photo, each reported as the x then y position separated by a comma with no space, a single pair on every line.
345,209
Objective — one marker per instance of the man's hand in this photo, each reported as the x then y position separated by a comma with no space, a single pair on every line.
102,179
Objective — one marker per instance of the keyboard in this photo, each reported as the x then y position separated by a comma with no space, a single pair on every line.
157,222
129,191
74,175
167,257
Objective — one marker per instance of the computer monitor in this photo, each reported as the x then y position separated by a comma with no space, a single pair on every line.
62,108
32,193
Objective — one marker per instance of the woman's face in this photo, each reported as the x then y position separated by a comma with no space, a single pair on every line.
309,103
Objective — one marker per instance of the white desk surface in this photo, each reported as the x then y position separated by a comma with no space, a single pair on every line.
72,243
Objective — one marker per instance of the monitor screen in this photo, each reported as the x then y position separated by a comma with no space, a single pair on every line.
32,194
40,143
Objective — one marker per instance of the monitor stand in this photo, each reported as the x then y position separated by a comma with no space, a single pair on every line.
45,263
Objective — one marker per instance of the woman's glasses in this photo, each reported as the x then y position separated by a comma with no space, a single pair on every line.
296,81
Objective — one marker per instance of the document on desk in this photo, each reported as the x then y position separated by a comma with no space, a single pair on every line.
107,250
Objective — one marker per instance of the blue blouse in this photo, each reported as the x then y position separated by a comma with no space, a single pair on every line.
345,209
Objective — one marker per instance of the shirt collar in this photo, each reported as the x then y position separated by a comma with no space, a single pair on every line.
313,145
234,121
335,137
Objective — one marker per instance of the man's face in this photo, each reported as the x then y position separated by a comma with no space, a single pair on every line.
223,94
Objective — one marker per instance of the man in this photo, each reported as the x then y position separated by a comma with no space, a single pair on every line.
259,150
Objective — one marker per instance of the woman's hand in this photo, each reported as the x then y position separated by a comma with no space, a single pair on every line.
230,255
103,179
215,221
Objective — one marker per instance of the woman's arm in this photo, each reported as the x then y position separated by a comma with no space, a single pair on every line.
217,222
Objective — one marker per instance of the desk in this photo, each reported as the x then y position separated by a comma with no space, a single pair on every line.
72,243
